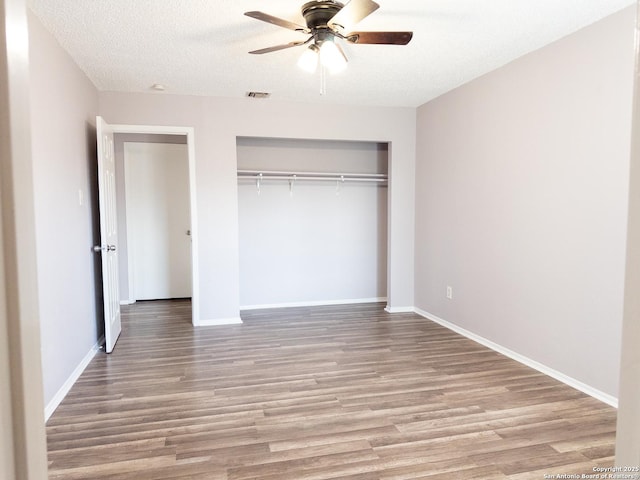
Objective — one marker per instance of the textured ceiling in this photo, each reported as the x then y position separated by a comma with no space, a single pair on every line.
199,47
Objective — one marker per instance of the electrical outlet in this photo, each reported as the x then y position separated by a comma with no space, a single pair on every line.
449,292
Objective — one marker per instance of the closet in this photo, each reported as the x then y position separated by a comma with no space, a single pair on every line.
312,221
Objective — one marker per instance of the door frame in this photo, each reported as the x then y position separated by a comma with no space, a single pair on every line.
189,133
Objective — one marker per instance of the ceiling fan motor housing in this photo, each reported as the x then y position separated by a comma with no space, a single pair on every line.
317,14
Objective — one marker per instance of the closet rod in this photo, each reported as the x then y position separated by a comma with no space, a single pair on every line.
280,175
318,178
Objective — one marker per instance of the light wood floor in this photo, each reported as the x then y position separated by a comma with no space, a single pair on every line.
346,392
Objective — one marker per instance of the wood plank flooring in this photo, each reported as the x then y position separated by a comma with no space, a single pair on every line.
345,392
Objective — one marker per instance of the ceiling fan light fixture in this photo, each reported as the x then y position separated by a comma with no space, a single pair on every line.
332,57
308,61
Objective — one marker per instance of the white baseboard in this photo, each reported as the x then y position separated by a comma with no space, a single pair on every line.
389,309
572,382
218,321
60,394
127,302
314,303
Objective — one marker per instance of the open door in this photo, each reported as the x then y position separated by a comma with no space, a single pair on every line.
108,233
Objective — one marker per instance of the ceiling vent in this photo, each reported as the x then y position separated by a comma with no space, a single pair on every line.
258,94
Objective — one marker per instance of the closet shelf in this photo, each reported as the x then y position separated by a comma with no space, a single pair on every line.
285,175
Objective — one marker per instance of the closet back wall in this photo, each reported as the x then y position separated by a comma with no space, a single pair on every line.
320,242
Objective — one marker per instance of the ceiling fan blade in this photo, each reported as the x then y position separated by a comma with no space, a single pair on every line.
265,17
380,38
277,47
352,13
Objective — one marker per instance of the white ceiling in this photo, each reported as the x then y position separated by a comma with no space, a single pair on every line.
199,47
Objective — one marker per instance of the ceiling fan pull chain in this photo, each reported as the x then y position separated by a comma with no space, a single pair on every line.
323,80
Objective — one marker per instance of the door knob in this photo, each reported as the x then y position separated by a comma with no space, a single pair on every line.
97,248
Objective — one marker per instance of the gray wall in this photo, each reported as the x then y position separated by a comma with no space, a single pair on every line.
64,104
521,202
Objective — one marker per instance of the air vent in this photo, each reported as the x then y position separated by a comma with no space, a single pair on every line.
258,94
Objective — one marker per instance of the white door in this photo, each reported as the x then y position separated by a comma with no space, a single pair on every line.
108,233
158,219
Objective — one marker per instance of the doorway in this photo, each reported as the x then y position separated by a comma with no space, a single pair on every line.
157,221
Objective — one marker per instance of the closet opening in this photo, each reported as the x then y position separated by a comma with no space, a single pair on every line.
312,222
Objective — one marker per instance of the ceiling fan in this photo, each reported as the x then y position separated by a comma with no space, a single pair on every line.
326,21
